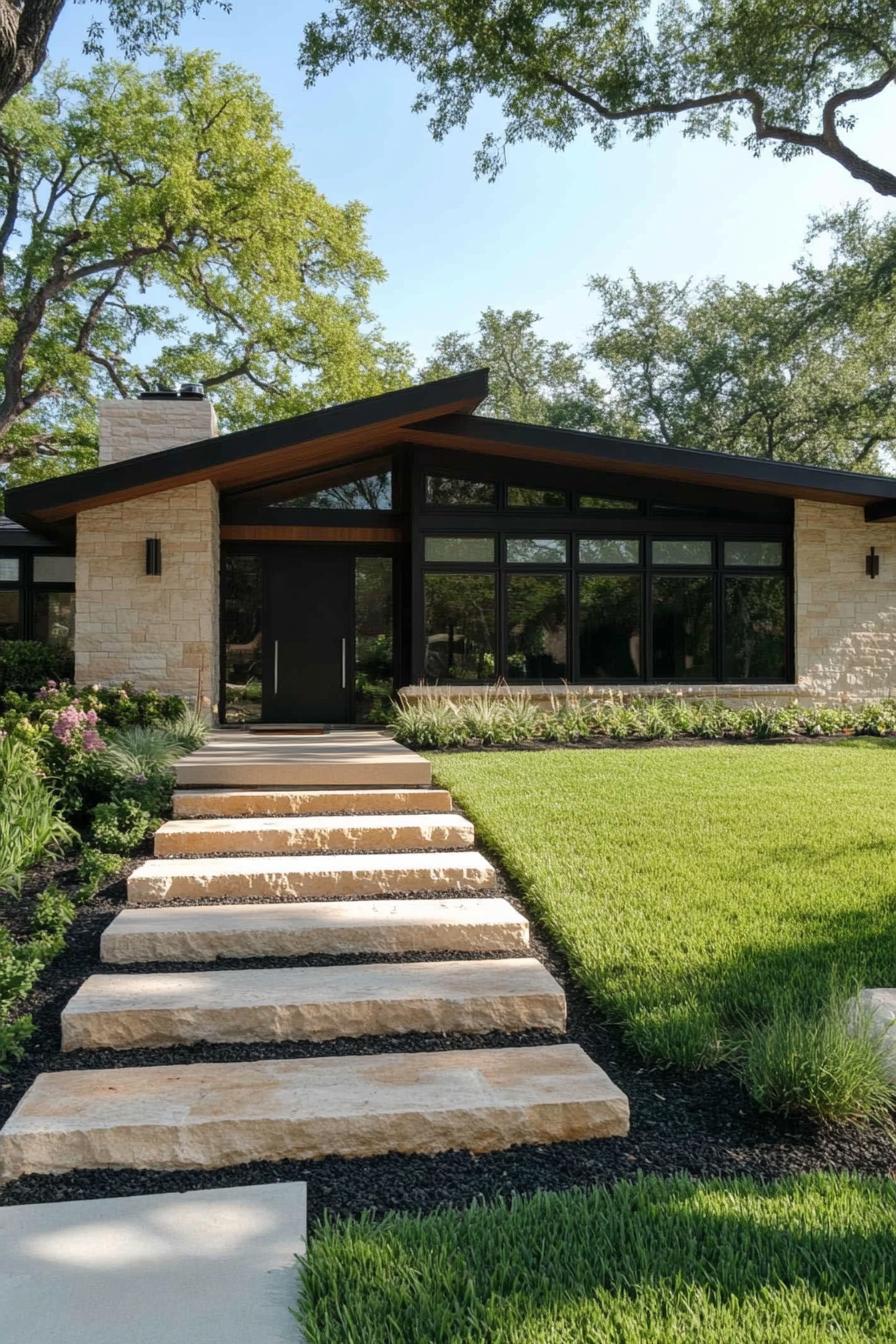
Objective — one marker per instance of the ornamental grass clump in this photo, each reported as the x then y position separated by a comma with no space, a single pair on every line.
830,1064
31,827
500,716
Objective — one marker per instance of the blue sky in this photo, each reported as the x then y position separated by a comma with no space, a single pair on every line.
670,208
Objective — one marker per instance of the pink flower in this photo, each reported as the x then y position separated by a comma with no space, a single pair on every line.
92,740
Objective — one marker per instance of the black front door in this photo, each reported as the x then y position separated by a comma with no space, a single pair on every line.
308,640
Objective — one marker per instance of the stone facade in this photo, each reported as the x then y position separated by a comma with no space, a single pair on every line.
130,428
845,621
159,632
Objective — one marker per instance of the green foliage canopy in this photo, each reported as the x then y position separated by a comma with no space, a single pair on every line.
154,226
784,73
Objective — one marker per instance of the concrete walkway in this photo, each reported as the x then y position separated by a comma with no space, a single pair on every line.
238,759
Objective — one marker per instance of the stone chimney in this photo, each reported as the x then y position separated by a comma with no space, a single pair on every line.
131,427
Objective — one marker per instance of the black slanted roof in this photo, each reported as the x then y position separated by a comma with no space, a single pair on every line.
482,434
239,457
438,414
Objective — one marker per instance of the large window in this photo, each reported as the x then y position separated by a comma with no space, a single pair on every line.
374,658
755,627
536,627
452,492
37,598
366,492
459,620
242,620
683,627
599,599
609,619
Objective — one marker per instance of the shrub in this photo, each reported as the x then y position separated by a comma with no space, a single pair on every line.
120,826
827,1064
95,869
21,962
26,665
30,823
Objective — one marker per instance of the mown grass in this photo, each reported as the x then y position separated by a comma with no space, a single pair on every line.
718,902
646,1262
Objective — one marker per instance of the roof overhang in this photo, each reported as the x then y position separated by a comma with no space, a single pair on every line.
631,457
438,414
249,456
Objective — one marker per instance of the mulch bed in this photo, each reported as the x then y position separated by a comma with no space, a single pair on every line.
697,1123
640,743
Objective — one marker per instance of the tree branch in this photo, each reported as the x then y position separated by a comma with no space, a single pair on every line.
25,28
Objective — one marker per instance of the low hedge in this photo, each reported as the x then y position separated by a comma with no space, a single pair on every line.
26,665
514,718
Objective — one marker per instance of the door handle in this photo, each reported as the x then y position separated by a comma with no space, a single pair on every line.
343,662
276,665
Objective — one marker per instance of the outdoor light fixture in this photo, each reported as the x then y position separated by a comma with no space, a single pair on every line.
153,556
872,564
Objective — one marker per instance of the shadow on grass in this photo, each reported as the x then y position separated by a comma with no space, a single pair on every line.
617,1257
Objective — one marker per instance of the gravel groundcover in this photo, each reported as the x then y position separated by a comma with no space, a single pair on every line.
701,1124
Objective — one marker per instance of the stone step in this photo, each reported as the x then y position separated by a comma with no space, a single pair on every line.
176,1117
344,758
313,1003
191,803
286,878
875,1011
313,928
314,835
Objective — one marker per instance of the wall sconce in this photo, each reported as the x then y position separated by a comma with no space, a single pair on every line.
153,556
872,564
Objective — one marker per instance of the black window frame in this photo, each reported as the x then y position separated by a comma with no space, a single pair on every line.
707,514
27,587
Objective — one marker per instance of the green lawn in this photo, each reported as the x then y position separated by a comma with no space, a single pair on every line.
648,1262
715,901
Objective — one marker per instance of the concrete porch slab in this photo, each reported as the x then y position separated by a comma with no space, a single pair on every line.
345,758
206,1267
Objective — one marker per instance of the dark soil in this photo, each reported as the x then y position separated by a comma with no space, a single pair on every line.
697,1123
641,743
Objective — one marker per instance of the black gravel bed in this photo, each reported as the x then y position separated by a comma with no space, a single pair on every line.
697,1123
645,743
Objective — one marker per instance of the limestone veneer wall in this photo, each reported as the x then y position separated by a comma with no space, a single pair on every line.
158,632
845,622
131,427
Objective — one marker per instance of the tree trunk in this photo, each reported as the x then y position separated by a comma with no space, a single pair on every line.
25,29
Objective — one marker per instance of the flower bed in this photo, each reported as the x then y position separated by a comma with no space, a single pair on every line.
513,719
86,769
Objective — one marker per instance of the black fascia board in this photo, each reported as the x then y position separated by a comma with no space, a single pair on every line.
25,502
744,471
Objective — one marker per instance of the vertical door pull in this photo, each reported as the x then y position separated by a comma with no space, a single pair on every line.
276,665
343,662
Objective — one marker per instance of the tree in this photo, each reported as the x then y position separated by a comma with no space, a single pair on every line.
153,227
530,378
788,372
788,74
26,26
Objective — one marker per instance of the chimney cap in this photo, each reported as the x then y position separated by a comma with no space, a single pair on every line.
159,394
195,391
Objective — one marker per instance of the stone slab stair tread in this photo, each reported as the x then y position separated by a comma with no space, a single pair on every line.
389,833
308,928
287,877
212,803
319,1003
176,1117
